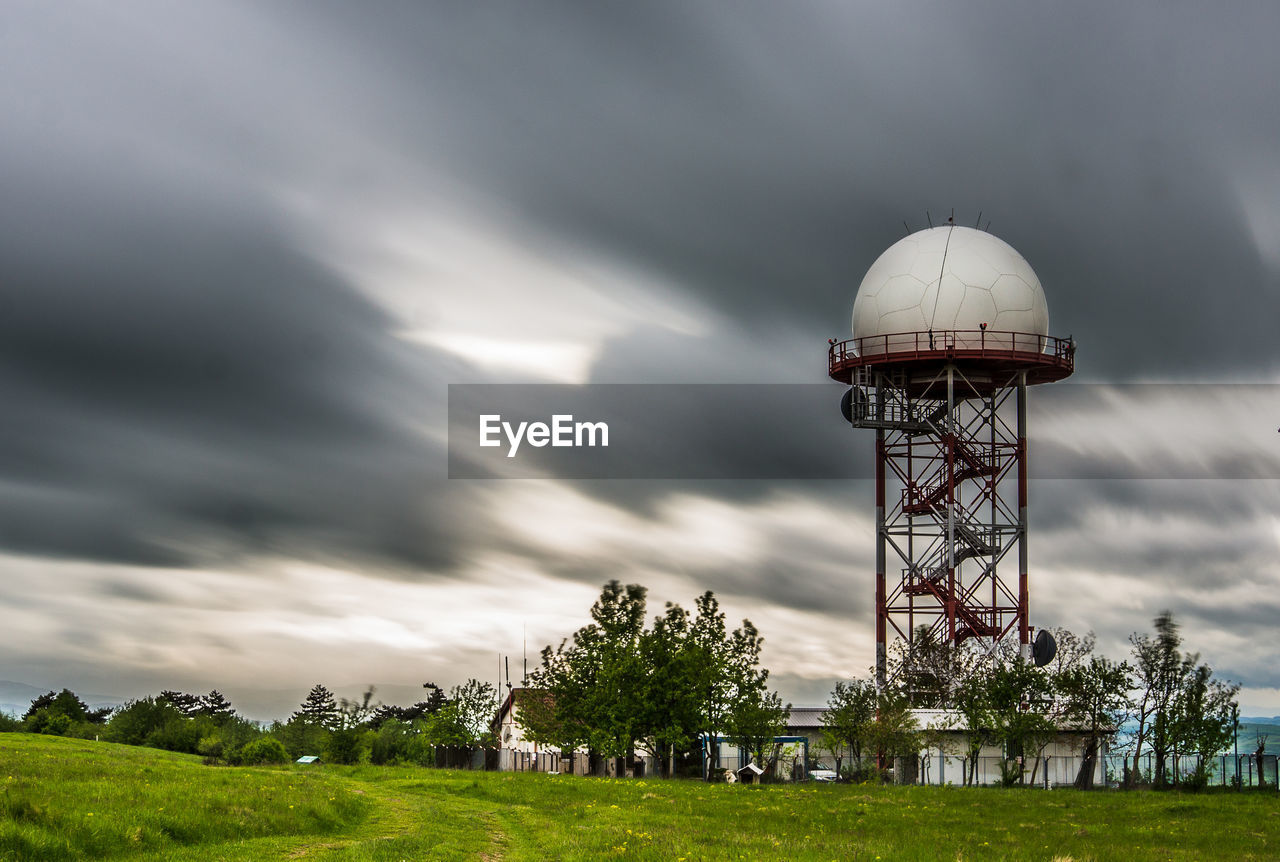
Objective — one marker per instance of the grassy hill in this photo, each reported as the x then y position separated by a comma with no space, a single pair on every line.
70,799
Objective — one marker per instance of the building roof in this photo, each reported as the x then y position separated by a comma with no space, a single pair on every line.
806,717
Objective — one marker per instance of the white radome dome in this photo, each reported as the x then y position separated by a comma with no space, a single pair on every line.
948,278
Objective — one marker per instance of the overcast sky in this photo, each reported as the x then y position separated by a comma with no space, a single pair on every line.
245,248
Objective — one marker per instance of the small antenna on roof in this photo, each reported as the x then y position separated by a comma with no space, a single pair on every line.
907,226
952,218
929,217
988,227
979,221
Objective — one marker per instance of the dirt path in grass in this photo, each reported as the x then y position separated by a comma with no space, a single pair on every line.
497,840
402,812
393,816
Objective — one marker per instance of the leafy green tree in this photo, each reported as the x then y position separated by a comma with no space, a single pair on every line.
1095,699
547,715
894,733
594,683
464,722
349,736
1180,707
61,713
612,642
616,686
1160,669
393,741
300,736
851,711
972,703
755,715
1203,722
758,717
710,652
151,721
668,718
1017,694
222,739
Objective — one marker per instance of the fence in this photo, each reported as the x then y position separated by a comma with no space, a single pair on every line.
932,768
1225,770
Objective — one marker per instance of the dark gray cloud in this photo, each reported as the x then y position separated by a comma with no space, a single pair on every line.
185,386
763,157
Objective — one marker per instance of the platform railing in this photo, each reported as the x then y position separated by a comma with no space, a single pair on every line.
969,343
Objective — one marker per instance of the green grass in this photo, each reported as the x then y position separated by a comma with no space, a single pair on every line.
68,799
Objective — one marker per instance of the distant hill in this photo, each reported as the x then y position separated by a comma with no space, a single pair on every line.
16,697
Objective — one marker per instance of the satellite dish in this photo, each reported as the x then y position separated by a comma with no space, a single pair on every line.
852,394
1044,649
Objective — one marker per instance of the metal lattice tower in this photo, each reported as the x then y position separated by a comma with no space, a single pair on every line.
949,411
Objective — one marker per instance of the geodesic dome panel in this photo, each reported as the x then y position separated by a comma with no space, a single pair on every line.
949,279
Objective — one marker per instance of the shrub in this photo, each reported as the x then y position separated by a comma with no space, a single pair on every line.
393,742
176,734
136,722
265,749
347,745
1196,779
301,737
47,721
210,747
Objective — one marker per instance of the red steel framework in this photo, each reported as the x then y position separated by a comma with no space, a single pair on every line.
949,412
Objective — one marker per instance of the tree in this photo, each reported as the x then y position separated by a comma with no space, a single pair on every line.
1072,651
347,741
319,709
216,706
616,686
668,719
1017,692
1180,707
931,672
894,732
1258,754
1096,699
713,690
973,705
409,714
851,711
144,721
187,704
66,703
594,682
758,718
1204,720
464,723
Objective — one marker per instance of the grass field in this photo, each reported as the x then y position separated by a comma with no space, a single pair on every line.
69,799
